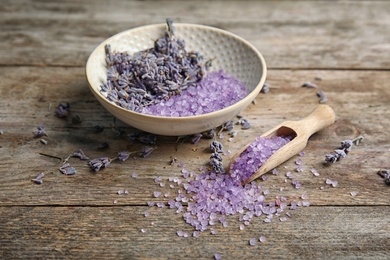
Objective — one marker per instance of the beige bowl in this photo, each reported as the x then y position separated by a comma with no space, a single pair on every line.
232,54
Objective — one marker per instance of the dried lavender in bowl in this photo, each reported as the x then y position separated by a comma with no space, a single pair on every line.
168,80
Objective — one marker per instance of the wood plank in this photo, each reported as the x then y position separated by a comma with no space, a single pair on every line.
290,34
114,232
359,98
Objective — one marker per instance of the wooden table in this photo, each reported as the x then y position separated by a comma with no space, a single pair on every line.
341,46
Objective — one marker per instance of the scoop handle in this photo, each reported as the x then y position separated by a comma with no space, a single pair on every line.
321,117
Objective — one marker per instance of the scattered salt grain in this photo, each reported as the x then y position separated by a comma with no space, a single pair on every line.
156,194
354,193
115,201
252,241
217,256
143,230
275,172
134,175
332,183
298,162
262,239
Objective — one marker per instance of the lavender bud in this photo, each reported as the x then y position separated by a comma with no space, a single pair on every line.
209,134
80,154
62,110
196,138
40,131
322,96
331,158
309,85
346,145
147,139
216,156
216,147
123,156
265,88
98,163
37,181
244,123
146,151
340,153
228,126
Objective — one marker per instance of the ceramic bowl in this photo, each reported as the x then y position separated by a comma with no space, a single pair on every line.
232,54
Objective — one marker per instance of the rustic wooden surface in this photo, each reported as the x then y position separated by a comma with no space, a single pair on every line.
342,46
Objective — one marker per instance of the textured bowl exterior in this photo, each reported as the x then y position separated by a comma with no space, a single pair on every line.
231,53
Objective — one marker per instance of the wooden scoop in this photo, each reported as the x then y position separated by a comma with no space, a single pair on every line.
320,118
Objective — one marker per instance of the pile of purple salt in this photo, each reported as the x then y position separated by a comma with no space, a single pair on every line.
211,196
255,156
216,91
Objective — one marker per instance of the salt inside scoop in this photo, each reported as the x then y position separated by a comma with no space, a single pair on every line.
255,155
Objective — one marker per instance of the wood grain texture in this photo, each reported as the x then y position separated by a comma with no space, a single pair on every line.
290,34
115,232
359,98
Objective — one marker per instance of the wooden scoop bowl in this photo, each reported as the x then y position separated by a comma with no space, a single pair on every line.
323,116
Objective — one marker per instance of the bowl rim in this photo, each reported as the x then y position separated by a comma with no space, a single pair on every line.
250,96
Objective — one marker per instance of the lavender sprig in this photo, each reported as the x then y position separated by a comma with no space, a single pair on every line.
343,150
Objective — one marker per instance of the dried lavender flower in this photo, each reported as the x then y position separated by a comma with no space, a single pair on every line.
217,165
265,88
43,141
323,98
98,163
227,126
244,123
155,74
343,150
123,156
216,147
216,156
40,131
147,138
62,110
386,175
196,138
146,151
37,181
80,154
309,84
67,169
210,134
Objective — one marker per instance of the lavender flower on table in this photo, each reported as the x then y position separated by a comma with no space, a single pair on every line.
244,123
265,88
146,151
216,147
147,138
67,169
196,138
80,154
210,134
40,131
227,126
98,163
123,156
386,175
343,150
62,110
38,179
323,98
309,84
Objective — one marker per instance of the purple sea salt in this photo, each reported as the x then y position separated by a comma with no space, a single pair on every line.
255,156
216,91
252,241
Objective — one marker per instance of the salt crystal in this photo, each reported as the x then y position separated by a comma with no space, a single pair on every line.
252,241
217,256
134,175
315,172
353,193
262,239
156,194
